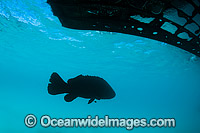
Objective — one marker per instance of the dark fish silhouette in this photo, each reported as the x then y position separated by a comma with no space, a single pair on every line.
90,87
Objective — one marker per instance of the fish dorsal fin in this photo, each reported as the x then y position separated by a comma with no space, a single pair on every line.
70,97
80,75
91,100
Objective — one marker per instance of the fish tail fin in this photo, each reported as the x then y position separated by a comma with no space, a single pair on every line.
57,85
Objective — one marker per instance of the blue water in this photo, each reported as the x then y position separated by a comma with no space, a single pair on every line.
151,79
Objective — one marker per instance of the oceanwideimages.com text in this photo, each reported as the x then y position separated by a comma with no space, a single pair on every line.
129,123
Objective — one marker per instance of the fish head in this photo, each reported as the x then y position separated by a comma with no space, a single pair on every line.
112,94
107,93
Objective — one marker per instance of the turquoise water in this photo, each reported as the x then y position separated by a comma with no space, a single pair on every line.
151,79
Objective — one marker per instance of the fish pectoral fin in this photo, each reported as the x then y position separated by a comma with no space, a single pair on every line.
70,97
91,100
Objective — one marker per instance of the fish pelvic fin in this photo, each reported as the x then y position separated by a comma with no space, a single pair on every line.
57,85
91,100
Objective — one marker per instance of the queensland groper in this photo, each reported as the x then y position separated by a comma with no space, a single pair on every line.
89,87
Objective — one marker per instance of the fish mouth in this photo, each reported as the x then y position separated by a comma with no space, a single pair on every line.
108,96
113,94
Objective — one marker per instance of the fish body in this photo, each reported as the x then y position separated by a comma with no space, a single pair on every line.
89,87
